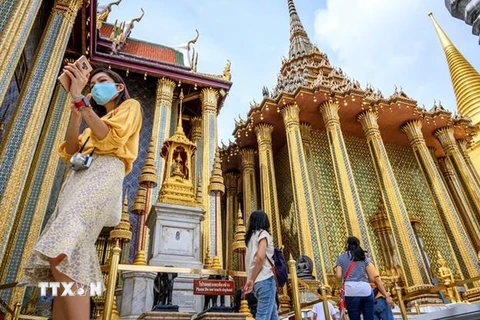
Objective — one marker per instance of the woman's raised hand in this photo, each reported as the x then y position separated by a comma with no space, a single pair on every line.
78,79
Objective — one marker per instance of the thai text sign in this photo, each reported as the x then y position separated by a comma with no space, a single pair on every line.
213,287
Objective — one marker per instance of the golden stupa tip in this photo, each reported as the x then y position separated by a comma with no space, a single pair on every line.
430,14
442,36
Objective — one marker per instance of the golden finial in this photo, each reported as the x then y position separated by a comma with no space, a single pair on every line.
122,230
138,206
180,112
244,309
465,79
148,178
199,191
208,260
239,243
140,259
216,180
217,264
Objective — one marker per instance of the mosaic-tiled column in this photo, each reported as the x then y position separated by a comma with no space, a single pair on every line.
347,189
36,194
250,201
267,179
463,250
305,131
209,98
470,220
302,192
414,270
196,134
462,146
161,123
19,143
231,214
466,178
17,18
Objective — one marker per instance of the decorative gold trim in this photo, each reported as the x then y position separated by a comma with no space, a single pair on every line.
447,140
414,269
448,214
209,98
302,190
347,189
12,42
268,183
250,201
44,194
66,10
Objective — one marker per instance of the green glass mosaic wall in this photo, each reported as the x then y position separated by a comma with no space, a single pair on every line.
285,204
330,200
412,186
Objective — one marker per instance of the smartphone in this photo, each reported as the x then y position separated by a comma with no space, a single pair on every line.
83,64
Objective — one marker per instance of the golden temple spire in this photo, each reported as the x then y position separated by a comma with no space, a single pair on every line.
465,79
299,42
180,113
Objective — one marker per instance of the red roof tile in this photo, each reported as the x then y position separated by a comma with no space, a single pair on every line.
147,50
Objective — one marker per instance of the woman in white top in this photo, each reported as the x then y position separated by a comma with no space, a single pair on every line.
260,277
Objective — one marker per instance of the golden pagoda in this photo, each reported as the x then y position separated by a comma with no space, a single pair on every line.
466,86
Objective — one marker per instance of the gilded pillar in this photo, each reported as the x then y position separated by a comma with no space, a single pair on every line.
161,123
250,201
216,190
36,194
463,250
302,192
22,135
462,146
209,98
196,139
305,131
416,275
465,176
268,184
15,25
232,209
347,189
471,222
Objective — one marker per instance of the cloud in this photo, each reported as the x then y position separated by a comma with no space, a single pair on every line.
387,43
375,41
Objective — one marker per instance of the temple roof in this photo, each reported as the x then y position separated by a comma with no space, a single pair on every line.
307,80
299,42
146,50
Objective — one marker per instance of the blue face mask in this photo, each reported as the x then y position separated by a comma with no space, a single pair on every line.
104,92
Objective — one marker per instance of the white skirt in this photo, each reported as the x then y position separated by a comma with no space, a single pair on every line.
88,201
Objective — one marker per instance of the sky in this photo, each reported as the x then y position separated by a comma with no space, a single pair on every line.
380,42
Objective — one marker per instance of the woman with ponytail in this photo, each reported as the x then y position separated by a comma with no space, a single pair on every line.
355,270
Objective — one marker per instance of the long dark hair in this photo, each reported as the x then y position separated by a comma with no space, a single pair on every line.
356,252
258,221
122,96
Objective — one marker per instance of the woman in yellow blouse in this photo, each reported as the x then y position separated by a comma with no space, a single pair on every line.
91,196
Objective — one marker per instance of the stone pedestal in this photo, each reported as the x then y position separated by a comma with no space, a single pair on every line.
221,316
166,316
175,242
137,296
